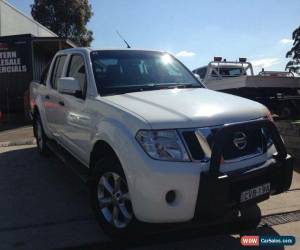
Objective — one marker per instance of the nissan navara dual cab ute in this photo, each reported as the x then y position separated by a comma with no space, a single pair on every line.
159,147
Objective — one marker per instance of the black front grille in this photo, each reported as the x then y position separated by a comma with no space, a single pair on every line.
255,143
253,140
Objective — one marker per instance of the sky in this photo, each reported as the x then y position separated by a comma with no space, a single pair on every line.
197,30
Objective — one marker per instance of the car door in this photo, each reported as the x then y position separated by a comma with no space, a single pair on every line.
77,127
53,104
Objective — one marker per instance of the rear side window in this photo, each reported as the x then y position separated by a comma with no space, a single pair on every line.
77,70
57,70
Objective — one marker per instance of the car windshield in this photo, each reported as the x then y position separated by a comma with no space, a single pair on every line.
122,71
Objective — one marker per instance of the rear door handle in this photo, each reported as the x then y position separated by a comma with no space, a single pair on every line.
61,103
47,97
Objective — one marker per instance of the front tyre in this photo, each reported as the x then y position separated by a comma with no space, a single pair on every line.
111,199
41,138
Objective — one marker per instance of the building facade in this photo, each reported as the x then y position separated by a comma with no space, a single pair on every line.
26,48
14,22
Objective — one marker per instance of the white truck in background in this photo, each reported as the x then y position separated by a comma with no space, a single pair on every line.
157,146
279,91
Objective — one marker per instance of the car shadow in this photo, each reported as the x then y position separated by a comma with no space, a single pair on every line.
192,235
218,237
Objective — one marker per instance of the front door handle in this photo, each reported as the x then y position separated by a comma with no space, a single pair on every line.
61,103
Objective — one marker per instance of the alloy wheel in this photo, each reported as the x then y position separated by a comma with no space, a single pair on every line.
114,200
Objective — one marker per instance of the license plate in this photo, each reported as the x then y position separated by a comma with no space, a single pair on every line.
255,192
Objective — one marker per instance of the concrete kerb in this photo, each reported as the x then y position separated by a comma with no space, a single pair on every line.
21,142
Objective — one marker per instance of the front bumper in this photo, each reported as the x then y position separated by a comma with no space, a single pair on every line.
220,192
218,195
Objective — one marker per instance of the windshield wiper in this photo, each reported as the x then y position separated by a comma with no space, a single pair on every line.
187,85
151,86
170,85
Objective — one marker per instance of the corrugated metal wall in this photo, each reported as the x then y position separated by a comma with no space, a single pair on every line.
23,58
43,53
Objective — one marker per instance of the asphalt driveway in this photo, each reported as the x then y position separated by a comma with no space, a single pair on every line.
44,205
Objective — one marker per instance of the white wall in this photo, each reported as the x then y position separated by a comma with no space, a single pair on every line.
14,22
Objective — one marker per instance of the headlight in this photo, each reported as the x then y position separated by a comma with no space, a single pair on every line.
162,145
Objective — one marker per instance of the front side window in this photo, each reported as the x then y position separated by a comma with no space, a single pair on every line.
76,70
57,70
128,71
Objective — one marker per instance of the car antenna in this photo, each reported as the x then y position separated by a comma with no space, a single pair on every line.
128,46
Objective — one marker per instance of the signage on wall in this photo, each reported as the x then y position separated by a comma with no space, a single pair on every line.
13,58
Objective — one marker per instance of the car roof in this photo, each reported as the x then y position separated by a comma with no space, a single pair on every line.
88,49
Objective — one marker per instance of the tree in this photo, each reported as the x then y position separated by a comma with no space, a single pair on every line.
294,64
66,18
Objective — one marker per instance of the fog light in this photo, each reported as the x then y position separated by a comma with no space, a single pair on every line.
170,196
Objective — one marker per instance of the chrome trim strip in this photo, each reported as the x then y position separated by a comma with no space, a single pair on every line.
203,143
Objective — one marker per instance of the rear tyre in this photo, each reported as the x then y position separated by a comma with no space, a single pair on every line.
110,199
41,138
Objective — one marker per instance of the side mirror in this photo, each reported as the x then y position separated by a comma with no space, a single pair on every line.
69,86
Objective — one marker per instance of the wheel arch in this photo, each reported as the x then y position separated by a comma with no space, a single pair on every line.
35,111
101,149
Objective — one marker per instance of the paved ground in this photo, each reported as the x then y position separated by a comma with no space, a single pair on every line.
44,205
15,134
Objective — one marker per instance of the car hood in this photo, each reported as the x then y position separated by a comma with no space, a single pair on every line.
184,108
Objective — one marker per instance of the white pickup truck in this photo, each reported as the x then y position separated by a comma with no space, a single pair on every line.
158,146
279,91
